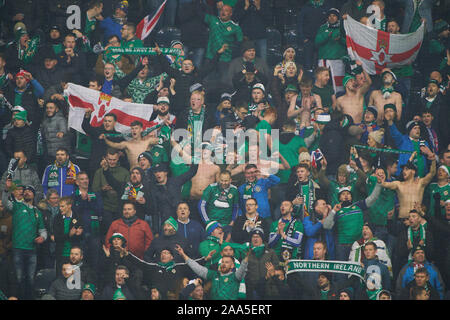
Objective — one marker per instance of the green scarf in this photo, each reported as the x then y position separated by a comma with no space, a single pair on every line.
373,294
259,250
53,176
382,150
195,127
419,159
213,239
144,51
26,55
316,4
168,265
388,90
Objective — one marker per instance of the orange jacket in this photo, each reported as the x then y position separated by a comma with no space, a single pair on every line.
139,236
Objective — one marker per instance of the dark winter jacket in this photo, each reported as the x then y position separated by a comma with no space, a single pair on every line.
253,22
310,19
194,32
331,144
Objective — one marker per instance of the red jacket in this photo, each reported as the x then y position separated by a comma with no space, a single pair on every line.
139,236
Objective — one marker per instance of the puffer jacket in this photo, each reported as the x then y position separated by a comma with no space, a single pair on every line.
49,128
256,272
139,236
331,144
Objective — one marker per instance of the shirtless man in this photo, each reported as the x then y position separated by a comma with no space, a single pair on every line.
207,173
386,95
410,191
352,102
136,145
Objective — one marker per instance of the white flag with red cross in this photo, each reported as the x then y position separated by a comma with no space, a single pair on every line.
378,49
81,98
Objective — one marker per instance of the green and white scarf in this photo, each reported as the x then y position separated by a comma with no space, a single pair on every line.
53,177
382,149
144,51
26,55
168,265
195,128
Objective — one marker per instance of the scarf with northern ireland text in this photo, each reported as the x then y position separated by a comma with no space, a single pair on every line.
54,178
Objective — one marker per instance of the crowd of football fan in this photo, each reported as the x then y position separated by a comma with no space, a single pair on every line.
344,168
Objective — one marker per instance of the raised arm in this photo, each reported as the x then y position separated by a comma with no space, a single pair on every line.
427,179
116,145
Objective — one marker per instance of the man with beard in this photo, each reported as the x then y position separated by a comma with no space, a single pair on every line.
25,173
136,232
134,190
97,136
352,102
220,202
386,95
61,175
28,231
225,281
136,145
49,73
348,218
323,89
410,190
286,234
54,130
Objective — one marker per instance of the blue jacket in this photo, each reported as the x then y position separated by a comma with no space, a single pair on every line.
110,28
315,232
260,193
193,232
406,275
62,188
88,211
425,8
404,142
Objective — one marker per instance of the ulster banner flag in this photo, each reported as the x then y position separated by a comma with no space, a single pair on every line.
377,49
81,98
147,24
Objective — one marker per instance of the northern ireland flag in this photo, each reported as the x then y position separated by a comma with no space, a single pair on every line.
146,26
378,49
82,98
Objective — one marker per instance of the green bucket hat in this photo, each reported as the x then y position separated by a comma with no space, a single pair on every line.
171,221
118,235
390,106
439,26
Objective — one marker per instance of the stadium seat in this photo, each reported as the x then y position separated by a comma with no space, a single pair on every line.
291,38
273,57
273,38
43,281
